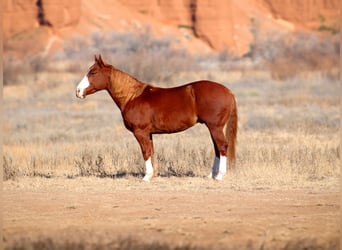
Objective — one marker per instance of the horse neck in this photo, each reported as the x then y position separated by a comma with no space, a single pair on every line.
123,87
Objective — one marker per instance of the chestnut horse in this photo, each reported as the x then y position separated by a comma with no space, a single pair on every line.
148,110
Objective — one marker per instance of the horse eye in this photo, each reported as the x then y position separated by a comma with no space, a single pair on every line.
92,72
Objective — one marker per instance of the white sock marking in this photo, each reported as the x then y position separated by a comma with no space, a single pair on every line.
222,168
149,170
84,83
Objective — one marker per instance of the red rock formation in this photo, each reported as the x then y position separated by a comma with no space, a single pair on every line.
18,16
23,15
218,24
227,24
62,13
309,14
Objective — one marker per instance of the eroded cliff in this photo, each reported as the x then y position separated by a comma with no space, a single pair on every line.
216,24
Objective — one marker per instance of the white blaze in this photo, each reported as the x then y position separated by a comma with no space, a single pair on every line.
149,170
84,83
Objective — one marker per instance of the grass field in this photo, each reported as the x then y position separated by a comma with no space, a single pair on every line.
287,132
72,172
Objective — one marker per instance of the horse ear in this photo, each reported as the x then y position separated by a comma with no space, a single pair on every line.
96,59
101,63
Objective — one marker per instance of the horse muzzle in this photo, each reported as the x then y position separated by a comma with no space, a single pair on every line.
79,93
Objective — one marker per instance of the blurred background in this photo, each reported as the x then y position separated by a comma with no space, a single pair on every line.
280,58
286,37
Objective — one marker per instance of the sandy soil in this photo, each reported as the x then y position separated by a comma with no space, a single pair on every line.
175,211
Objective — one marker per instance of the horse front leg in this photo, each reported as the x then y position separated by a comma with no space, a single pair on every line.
146,145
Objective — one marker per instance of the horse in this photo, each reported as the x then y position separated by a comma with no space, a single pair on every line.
148,110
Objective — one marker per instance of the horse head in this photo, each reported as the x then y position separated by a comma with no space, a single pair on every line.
96,79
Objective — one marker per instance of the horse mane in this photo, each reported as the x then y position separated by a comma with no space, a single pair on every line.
124,87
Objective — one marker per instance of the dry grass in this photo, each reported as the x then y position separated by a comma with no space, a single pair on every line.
287,139
120,244
287,136
133,244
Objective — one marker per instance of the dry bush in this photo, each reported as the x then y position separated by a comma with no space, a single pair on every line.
134,244
159,61
10,171
312,244
120,244
289,55
142,55
106,164
17,71
13,70
91,167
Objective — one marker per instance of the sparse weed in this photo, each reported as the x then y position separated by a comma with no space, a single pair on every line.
10,171
135,244
17,72
88,166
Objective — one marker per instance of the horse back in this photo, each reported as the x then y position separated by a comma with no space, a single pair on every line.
162,110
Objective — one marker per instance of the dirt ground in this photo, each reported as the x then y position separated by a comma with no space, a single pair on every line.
175,211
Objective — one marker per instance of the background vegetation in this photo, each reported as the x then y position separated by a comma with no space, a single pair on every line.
288,100
132,244
287,91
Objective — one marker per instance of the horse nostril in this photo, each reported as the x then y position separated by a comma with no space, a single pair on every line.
79,93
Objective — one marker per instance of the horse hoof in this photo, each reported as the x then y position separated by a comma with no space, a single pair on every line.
147,178
219,177
213,174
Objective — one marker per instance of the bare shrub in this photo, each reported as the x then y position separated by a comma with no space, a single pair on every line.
289,55
10,172
16,70
304,244
11,70
90,166
175,157
38,63
142,55
128,243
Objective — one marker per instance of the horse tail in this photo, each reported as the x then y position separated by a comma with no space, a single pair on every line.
231,132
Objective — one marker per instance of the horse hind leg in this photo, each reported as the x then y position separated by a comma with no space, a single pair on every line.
215,167
219,168
222,168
